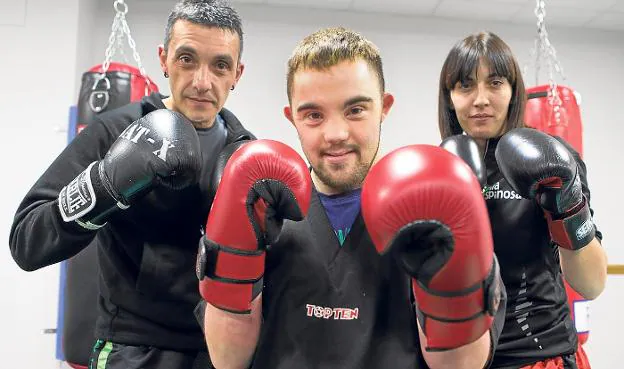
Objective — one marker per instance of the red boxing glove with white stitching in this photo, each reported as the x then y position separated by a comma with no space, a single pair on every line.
424,204
263,183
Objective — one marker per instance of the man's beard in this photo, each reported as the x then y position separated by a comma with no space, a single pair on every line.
352,180
346,183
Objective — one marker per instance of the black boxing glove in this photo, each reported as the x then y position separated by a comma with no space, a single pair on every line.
540,167
466,148
159,149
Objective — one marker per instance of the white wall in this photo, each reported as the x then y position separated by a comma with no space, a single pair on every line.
413,51
38,70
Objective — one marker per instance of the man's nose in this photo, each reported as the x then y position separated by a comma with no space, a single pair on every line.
202,79
336,130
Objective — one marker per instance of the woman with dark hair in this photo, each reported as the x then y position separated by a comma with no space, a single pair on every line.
482,95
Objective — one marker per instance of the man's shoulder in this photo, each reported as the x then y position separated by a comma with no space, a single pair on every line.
126,114
236,129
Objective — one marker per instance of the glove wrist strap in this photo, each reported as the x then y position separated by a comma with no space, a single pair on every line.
86,201
575,230
450,320
229,278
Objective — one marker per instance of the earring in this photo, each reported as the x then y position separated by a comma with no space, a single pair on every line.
232,88
166,74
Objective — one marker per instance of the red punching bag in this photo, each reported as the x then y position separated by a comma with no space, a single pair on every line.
120,85
555,109
560,115
110,85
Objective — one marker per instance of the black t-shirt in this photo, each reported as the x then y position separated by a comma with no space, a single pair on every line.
538,323
212,141
327,306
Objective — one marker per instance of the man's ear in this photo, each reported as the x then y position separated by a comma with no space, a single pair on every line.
162,57
386,104
239,72
288,114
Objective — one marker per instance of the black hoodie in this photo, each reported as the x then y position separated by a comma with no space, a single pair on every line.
146,254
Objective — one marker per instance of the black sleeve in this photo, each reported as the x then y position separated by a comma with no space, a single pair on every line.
583,174
39,237
499,321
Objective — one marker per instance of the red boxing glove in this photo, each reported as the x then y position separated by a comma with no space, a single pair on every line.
424,204
263,183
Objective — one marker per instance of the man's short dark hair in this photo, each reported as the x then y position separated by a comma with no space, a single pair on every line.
209,13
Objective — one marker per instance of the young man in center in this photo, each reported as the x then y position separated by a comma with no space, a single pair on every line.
392,265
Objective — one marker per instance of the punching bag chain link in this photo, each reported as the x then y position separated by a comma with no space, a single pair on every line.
543,50
119,28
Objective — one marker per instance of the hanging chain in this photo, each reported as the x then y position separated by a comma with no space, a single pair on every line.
119,28
544,49
120,47
132,44
110,49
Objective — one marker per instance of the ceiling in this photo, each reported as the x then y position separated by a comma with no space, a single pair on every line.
594,14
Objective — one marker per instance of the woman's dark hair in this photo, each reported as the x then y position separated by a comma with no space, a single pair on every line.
459,66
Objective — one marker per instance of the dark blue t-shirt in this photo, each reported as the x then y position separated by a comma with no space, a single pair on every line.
341,210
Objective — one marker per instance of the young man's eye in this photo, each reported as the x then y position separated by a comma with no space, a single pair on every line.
314,116
356,110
